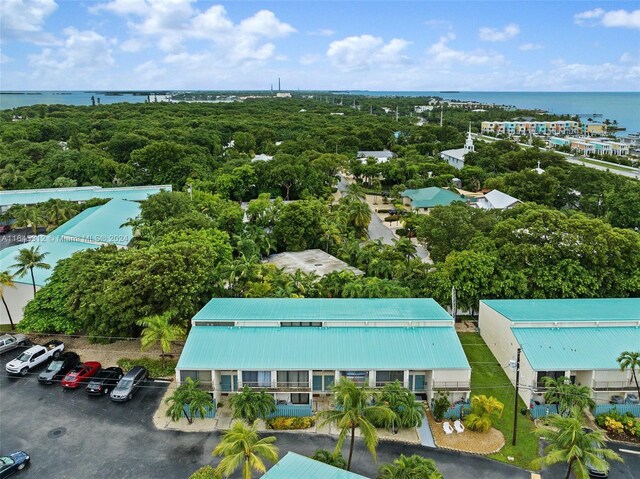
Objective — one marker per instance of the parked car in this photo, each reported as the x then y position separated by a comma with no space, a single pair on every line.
104,381
11,341
80,374
34,356
594,471
4,228
129,384
14,462
616,400
58,368
632,399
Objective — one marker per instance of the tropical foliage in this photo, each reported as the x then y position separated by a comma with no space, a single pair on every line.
570,443
241,446
189,401
158,329
566,395
6,281
408,412
250,404
27,260
631,360
484,410
353,411
334,459
410,467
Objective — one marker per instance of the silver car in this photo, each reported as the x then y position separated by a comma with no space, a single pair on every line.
129,384
11,341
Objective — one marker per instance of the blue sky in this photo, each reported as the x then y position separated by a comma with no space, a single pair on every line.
383,45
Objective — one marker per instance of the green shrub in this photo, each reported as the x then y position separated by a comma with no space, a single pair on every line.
382,210
287,423
334,459
391,218
153,365
440,407
205,472
401,232
617,423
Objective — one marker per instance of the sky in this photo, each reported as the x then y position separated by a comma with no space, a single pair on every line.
311,45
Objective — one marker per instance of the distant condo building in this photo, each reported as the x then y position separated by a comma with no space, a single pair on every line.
543,128
591,146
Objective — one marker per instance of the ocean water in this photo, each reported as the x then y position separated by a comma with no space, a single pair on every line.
78,98
623,107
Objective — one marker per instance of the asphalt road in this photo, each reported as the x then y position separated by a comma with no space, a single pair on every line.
72,436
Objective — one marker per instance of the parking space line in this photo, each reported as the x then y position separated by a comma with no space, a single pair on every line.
628,451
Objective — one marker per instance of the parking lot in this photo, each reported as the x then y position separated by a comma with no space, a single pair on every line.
72,436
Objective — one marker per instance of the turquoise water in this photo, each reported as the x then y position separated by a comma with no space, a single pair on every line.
78,98
624,107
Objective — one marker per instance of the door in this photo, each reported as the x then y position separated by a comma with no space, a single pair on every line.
317,383
419,382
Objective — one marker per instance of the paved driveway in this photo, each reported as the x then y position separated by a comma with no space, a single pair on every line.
102,439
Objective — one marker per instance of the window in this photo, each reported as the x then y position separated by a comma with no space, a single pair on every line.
215,323
293,379
257,378
299,399
316,324
358,377
384,377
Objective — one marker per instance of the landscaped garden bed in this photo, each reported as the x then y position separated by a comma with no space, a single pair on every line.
289,423
620,427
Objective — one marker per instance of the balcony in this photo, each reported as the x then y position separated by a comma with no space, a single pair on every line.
451,385
280,386
613,386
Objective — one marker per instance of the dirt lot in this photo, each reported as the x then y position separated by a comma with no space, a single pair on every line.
106,354
468,441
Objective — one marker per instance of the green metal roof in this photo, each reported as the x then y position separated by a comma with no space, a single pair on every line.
553,349
431,197
339,348
56,249
333,309
295,466
104,224
597,309
82,193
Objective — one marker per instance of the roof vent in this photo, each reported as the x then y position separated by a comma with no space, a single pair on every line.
318,264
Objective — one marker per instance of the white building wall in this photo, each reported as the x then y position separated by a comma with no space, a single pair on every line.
16,299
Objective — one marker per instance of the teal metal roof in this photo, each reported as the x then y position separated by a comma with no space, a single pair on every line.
340,348
83,193
600,309
333,309
56,249
104,224
62,229
552,349
431,197
295,466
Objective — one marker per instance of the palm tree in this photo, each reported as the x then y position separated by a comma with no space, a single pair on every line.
565,394
189,400
402,402
355,192
6,281
406,248
410,467
242,445
251,405
11,176
630,360
27,216
359,218
353,410
158,328
58,211
483,411
27,259
332,458
569,442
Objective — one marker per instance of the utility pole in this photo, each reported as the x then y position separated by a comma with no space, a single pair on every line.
396,112
441,112
454,298
515,401
372,109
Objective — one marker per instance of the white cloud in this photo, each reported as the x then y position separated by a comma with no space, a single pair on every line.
366,51
5,59
525,47
150,74
309,59
81,55
440,52
612,19
133,45
322,32
24,20
494,35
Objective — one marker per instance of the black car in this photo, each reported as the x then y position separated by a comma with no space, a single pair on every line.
104,381
591,468
14,462
58,368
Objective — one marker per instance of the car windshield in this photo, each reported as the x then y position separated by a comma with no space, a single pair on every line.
6,460
125,383
24,357
54,366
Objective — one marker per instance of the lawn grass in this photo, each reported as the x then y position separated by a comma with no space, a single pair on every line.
488,377
607,164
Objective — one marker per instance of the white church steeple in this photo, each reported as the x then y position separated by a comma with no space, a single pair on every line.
468,145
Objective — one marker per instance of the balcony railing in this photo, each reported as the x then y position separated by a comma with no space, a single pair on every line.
613,386
303,386
452,385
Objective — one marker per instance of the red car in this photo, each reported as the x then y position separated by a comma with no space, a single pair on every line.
80,374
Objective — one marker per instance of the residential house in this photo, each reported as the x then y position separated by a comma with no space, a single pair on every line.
380,156
295,466
456,157
496,200
310,261
576,338
297,349
424,199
